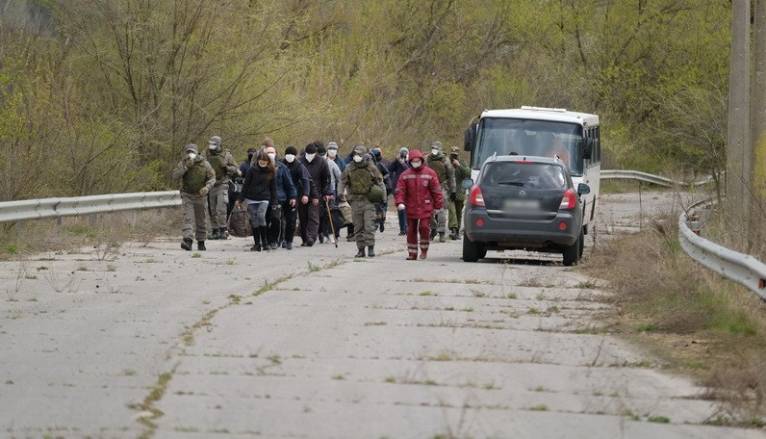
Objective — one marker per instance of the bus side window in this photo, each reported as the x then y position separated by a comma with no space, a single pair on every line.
598,144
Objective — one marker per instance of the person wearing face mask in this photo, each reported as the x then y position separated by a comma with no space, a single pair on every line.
446,173
419,193
396,169
362,184
286,199
462,172
302,181
332,155
259,190
324,220
225,167
380,209
197,178
320,189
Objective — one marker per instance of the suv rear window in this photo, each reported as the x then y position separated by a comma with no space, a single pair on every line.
527,175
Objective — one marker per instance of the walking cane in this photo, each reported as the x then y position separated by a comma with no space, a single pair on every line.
332,226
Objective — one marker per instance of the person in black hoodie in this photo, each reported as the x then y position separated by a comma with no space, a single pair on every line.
320,188
258,191
302,181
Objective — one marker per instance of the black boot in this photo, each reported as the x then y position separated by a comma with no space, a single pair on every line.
214,235
371,251
186,244
201,246
256,241
265,238
360,253
454,234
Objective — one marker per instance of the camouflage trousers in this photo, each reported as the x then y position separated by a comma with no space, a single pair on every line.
219,200
364,216
441,216
194,216
456,213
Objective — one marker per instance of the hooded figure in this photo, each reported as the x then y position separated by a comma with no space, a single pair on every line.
362,185
419,192
197,178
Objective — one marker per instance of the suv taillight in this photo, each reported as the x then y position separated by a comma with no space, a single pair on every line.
569,201
476,199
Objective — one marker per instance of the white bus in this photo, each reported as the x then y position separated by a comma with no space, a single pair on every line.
546,132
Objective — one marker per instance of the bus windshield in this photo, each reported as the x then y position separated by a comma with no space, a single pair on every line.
530,137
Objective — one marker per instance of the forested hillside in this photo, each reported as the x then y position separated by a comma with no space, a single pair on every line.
100,96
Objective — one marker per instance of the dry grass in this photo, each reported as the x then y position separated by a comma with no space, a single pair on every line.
692,317
105,233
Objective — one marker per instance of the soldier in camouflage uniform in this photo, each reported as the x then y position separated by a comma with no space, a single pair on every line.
446,173
225,167
362,184
197,178
462,171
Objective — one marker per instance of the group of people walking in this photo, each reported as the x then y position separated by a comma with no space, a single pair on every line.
312,191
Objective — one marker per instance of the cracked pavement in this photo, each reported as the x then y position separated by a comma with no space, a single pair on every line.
156,342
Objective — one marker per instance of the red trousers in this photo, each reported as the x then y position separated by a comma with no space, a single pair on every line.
415,226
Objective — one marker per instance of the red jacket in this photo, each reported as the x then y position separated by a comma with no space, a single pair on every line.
419,189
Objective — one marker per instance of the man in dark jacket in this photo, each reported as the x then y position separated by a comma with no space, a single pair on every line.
396,169
301,179
286,199
381,208
320,189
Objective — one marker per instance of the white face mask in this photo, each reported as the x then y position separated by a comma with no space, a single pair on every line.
290,158
357,159
272,156
212,146
416,164
332,153
434,151
310,157
192,155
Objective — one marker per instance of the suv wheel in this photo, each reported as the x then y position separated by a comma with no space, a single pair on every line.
572,252
472,251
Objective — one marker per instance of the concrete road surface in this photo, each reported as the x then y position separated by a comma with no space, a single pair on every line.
157,342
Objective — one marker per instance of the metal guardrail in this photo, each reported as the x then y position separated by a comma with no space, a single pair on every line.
72,206
618,174
738,267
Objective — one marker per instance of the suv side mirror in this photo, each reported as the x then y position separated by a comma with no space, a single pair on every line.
469,137
583,189
587,148
467,184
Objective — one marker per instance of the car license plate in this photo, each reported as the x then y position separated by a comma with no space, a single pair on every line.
522,205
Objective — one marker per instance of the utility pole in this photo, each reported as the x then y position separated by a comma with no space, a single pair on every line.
758,100
738,143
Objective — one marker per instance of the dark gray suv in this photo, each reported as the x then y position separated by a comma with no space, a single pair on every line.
524,203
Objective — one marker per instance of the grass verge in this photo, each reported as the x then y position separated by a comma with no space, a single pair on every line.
694,319
104,232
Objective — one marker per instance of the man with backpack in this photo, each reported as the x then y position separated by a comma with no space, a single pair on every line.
362,185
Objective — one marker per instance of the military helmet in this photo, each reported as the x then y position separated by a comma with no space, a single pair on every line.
360,150
436,145
191,148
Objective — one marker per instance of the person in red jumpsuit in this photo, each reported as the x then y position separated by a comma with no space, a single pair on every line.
419,192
